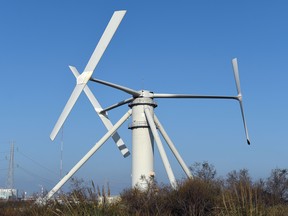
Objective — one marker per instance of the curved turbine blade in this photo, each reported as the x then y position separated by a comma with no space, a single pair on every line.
89,69
103,116
237,80
236,74
244,122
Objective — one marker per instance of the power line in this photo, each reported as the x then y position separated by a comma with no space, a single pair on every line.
35,175
4,154
36,162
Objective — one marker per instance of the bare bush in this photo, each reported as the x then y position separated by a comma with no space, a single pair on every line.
205,195
204,171
277,184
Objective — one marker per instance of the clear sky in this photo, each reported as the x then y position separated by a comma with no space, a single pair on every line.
165,47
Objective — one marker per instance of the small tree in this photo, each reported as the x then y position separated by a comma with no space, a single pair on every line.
203,171
277,183
235,178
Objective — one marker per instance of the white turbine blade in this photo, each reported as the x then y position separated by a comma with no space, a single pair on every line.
104,40
237,81
244,122
236,75
92,63
68,107
106,121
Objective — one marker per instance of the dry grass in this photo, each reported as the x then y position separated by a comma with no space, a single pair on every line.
236,195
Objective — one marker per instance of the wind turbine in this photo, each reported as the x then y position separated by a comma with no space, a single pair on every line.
144,123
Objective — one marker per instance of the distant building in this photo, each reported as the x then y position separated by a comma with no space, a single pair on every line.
7,194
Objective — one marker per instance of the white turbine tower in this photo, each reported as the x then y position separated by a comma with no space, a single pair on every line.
144,123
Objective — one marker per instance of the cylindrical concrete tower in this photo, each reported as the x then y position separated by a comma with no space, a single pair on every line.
142,148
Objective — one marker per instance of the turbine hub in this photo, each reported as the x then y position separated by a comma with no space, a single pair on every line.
143,101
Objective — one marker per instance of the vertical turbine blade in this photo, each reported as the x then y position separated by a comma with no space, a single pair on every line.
236,75
244,122
237,80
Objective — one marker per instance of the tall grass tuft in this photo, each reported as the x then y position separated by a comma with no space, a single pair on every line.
243,199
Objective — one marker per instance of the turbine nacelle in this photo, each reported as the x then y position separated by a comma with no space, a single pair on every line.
145,93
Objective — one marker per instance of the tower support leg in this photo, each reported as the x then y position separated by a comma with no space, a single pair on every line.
172,148
85,158
161,148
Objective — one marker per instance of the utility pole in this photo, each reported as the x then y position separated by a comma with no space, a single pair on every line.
10,178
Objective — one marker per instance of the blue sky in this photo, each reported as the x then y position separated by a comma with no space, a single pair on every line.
165,47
